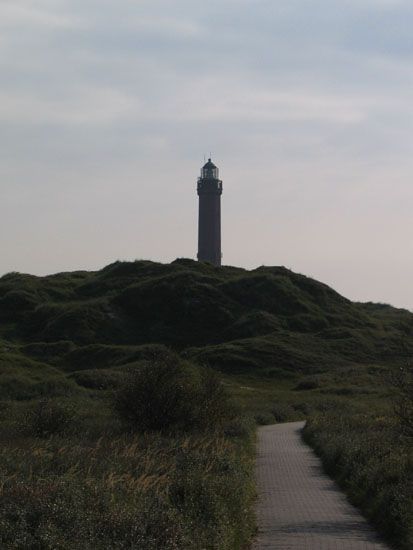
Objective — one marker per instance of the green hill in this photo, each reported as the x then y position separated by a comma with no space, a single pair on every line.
288,348
267,322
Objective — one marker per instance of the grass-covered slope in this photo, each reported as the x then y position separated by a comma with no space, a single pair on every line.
288,347
233,319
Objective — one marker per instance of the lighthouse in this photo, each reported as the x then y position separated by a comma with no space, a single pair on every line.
209,221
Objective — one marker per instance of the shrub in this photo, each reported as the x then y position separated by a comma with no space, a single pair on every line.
158,396
303,408
212,408
283,412
168,394
308,384
48,418
239,426
98,379
263,419
403,382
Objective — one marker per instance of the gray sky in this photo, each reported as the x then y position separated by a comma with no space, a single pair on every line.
108,106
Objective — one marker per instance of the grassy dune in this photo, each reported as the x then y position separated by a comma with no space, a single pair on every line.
286,347
230,317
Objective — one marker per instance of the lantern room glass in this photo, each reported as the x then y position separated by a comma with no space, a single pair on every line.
209,171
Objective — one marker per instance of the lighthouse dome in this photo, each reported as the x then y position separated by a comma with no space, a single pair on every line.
209,171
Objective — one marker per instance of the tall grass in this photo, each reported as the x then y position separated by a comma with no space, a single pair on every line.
74,475
146,491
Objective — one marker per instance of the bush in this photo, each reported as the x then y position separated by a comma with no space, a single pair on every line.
98,379
158,396
264,419
212,407
403,383
303,408
307,384
48,418
283,412
168,394
239,426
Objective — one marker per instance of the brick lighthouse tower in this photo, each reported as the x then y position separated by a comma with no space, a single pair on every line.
209,223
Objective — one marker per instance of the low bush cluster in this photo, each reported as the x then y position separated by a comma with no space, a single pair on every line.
48,417
168,394
403,383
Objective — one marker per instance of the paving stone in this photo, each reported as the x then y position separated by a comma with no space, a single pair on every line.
299,507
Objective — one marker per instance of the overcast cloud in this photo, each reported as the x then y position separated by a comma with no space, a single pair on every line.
107,108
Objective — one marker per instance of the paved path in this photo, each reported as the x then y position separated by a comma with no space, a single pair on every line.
300,507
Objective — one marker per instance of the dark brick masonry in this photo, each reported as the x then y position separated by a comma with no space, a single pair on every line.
209,225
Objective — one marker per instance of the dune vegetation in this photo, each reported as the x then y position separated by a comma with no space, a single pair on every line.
129,396
162,461
370,454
